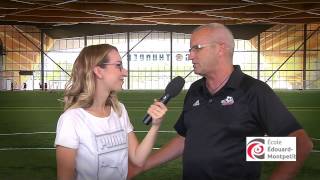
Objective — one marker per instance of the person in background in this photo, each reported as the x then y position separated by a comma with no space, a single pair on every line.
24,86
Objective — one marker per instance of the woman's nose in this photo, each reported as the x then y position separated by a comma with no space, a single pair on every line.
125,72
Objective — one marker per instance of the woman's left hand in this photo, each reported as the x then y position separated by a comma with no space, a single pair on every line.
157,111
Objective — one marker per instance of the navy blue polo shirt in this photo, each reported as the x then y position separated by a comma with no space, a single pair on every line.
215,127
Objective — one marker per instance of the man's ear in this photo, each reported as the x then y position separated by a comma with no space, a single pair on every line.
98,72
222,49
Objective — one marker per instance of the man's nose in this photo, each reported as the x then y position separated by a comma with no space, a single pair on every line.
191,55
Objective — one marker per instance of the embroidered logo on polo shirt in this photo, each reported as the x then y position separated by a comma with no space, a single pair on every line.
227,101
197,103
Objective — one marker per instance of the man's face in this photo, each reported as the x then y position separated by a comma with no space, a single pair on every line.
203,52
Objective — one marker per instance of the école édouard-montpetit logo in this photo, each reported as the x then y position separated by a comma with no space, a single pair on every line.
256,149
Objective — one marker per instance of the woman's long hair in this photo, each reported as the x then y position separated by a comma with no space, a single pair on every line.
80,89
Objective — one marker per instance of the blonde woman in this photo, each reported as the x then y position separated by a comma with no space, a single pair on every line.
94,135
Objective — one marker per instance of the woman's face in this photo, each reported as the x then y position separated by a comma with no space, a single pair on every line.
114,73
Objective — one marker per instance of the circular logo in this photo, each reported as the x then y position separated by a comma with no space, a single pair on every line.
256,149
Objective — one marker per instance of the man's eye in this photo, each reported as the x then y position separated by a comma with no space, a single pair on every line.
197,47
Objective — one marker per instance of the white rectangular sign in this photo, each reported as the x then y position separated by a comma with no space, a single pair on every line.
271,148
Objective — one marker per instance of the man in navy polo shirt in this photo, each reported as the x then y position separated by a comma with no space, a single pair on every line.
220,111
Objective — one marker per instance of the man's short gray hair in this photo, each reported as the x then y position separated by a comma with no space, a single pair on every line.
228,38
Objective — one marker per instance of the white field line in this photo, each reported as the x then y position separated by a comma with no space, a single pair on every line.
46,148
31,133
43,148
52,132
15,149
25,133
128,107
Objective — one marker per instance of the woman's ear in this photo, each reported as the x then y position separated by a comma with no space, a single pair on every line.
98,71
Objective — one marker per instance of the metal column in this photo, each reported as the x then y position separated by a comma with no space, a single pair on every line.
258,58
304,56
128,57
171,51
42,58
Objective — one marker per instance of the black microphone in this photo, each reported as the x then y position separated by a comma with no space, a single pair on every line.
172,90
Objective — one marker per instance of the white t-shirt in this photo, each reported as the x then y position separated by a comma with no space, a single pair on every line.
101,143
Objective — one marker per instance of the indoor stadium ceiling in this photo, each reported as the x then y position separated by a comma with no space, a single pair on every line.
59,15
174,12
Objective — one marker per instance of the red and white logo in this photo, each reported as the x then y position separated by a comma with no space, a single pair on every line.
256,149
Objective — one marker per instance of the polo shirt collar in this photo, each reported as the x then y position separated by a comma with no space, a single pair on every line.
235,78
233,81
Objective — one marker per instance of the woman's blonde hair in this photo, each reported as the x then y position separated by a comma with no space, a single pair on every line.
80,88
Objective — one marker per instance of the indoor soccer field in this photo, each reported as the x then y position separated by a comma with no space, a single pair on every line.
28,122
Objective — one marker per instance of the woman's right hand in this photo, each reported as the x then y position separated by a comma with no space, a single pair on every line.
157,111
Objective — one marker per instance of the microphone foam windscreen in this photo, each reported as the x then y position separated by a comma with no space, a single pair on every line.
175,86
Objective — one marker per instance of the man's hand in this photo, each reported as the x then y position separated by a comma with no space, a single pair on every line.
172,150
133,170
288,170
